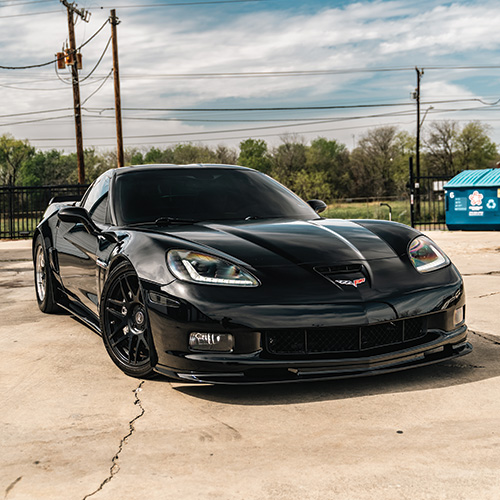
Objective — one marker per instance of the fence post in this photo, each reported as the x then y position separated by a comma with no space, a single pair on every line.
412,194
10,191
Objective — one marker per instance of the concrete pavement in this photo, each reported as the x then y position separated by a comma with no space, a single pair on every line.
72,426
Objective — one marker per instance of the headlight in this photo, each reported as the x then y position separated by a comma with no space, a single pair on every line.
198,267
426,256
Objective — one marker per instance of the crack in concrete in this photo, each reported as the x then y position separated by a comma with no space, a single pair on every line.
487,295
489,273
483,336
11,486
115,466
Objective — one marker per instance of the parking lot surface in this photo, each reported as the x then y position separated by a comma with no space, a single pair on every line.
74,427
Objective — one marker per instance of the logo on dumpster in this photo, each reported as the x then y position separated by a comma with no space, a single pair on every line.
476,198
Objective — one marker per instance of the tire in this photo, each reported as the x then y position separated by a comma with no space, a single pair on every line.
45,286
125,325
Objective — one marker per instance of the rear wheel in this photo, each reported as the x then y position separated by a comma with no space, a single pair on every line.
44,280
124,323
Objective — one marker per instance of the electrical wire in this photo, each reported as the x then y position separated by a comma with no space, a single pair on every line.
57,59
300,108
179,4
98,62
23,3
29,113
98,88
39,120
45,12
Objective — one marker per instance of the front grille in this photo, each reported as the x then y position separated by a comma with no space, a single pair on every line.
345,339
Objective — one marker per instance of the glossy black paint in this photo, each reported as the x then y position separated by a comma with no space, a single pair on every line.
293,260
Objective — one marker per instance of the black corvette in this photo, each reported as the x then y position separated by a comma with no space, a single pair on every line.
216,273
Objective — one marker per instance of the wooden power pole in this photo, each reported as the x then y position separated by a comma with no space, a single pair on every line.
76,85
118,106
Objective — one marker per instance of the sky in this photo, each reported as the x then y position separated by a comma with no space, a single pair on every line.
217,72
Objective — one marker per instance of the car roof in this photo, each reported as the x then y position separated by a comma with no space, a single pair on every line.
168,166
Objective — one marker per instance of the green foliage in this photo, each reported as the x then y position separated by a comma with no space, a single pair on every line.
449,149
377,163
254,154
47,168
14,154
474,148
323,169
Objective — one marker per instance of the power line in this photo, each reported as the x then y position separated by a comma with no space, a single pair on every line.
57,59
27,113
297,108
45,12
23,3
98,88
179,4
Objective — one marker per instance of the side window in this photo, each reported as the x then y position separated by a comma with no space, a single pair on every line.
96,201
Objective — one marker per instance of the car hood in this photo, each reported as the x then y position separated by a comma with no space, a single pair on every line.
291,259
281,242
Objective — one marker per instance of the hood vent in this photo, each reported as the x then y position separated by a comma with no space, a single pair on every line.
344,271
328,271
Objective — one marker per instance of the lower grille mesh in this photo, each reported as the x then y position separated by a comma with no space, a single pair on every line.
344,339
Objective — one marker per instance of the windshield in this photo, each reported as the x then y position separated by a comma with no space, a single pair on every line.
203,194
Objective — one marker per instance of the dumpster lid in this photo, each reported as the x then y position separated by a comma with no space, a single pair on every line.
489,177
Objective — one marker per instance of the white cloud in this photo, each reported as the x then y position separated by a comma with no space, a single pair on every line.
360,35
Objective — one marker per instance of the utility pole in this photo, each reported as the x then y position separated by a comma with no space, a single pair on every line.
416,96
118,106
76,86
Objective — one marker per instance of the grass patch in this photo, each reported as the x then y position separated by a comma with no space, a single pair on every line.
369,210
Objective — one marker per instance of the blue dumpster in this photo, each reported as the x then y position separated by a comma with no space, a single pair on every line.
473,199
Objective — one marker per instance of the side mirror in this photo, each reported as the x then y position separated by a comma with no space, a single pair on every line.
317,205
78,215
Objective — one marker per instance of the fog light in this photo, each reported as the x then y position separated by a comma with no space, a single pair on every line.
459,315
221,342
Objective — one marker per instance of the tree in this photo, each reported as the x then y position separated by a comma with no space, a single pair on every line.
184,154
254,154
376,162
288,159
13,156
331,159
450,149
47,168
474,147
155,155
225,155
441,148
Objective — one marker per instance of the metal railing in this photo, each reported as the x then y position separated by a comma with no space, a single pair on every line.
21,208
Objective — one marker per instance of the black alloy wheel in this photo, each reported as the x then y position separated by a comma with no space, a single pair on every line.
124,323
44,280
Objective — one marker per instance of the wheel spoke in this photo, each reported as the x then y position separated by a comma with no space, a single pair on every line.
130,291
130,340
117,328
119,341
125,296
116,302
117,314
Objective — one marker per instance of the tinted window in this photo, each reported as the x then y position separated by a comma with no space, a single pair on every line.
96,199
204,194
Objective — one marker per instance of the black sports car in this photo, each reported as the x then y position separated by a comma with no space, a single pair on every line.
219,274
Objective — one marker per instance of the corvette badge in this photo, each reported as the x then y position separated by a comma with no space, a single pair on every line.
353,283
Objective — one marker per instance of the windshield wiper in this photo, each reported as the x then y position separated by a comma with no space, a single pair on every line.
172,221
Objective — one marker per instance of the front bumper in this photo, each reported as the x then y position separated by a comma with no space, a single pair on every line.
256,360
253,369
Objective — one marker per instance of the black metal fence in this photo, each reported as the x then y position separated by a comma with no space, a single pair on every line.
21,208
427,201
